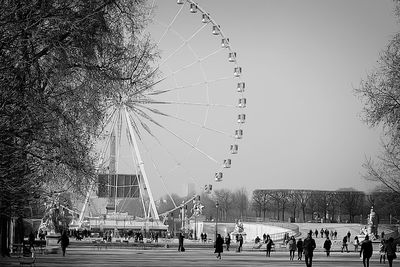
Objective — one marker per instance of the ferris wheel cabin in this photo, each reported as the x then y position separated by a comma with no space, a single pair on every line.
234,149
225,43
216,30
227,163
205,18
193,8
232,57
242,103
241,118
218,176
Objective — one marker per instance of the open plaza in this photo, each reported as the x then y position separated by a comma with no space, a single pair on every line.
86,252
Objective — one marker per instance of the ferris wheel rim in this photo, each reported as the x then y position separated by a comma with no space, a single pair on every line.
228,47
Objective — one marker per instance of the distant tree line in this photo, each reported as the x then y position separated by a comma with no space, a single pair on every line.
346,205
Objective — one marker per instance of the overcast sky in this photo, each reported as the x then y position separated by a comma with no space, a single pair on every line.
301,61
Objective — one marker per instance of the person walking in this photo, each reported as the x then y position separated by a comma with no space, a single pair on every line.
292,247
309,246
356,243
219,246
390,248
64,240
366,251
344,244
31,240
240,243
327,233
269,243
299,249
228,242
180,247
327,246
382,251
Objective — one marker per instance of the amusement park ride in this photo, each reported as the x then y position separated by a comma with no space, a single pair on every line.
174,129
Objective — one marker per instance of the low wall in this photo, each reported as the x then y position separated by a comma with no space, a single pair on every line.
252,230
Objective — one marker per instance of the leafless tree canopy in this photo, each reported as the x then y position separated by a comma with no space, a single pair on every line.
60,64
380,93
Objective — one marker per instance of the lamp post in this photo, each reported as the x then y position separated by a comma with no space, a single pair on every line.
216,220
195,226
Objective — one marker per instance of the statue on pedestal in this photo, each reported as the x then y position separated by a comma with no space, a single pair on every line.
239,227
238,231
372,226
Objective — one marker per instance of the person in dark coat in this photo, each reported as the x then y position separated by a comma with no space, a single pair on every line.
269,243
309,246
228,242
292,247
240,243
64,239
327,246
181,237
390,249
344,244
299,249
31,240
366,251
219,246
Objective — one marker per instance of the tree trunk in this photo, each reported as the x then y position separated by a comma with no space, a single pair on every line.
4,222
303,207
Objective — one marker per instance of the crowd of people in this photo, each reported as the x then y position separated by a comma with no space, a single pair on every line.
306,247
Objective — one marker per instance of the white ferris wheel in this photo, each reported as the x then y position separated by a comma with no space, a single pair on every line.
185,129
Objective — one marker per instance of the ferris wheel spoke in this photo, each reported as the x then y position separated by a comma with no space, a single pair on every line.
185,42
167,27
185,103
189,144
146,116
158,92
197,61
155,166
199,125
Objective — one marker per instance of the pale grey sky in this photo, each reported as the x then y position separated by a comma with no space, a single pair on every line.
301,61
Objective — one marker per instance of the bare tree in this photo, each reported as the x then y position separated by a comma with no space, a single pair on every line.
241,201
352,202
224,199
60,61
303,197
293,203
281,198
381,97
260,200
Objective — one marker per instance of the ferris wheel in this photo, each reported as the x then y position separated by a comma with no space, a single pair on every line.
184,130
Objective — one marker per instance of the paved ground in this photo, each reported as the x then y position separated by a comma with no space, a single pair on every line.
90,256
83,253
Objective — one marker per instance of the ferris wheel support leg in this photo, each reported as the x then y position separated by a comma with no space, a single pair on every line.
141,165
85,204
